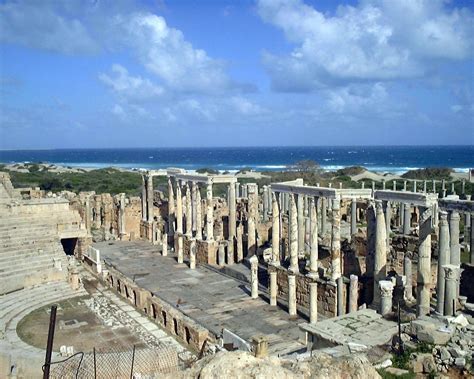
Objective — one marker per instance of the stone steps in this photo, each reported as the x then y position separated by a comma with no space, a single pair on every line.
26,241
35,265
24,254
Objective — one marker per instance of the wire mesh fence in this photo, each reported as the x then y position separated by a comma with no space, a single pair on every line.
114,364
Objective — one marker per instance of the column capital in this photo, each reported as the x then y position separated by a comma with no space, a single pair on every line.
386,288
451,272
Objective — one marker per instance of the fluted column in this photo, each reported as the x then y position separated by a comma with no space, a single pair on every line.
424,264
275,230
171,208
313,259
451,273
336,240
209,213
443,259
380,259
293,235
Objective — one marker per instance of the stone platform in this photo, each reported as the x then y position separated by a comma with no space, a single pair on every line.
213,300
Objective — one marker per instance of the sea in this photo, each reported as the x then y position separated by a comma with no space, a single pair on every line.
392,159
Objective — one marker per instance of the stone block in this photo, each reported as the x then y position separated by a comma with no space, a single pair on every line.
396,371
434,337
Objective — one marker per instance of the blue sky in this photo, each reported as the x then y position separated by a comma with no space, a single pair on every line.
235,73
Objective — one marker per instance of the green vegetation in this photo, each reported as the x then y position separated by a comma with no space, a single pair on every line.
207,170
350,171
429,173
306,165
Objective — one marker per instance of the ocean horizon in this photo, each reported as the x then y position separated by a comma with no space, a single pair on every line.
391,159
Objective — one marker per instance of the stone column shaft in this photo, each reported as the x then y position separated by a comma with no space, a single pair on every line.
353,217
273,288
275,229
380,259
323,215
149,196
313,259
232,213
291,294
265,203
293,235
443,259
301,225
192,254
407,270
336,240
209,213
189,212
407,219
340,296
144,200
353,293
254,276
171,208
313,302
164,245
386,292
424,264
454,239
179,208
198,215
451,273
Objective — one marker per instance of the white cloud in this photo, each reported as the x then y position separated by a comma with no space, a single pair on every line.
129,87
40,25
245,106
376,40
354,99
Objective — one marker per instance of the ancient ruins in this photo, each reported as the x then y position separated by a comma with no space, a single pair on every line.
282,270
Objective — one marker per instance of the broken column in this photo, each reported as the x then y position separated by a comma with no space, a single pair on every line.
192,254
451,273
313,302
254,276
386,292
424,263
291,294
380,259
443,259
353,293
293,235
275,230
336,240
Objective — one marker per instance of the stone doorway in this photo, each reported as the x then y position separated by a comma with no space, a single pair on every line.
69,245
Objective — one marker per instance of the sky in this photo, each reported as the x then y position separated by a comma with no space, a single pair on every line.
192,73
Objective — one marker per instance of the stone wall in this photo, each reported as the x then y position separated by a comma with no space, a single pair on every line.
326,292
169,318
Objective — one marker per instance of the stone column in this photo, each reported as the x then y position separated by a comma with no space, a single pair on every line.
164,245
88,215
434,186
353,217
198,215
291,294
353,293
265,203
232,214
313,302
221,255
386,291
192,254
209,213
275,230
380,259
144,201
293,235
149,196
171,209
452,188
340,296
443,259
388,217
313,259
323,215
424,264
273,286
194,206
383,185
401,216
407,219
252,219
454,238
472,238
240,246
180,249
300,218
451,273
122,215
237,189
189,212
407,270
254,276
251,240
414,186
394,183
336,240
179,208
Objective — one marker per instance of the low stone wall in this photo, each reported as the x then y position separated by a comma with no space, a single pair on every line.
176,323
327,292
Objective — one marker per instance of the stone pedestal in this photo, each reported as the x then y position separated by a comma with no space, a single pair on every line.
353,293
313,302
260,346
254,276
386,292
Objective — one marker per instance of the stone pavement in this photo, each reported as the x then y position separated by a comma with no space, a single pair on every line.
365,327
210,298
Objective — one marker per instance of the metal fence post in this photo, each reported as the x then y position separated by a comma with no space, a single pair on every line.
133,360
49,346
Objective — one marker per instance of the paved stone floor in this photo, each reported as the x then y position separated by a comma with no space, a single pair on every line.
365,327
210,298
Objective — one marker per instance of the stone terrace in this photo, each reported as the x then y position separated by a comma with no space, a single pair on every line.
213,300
